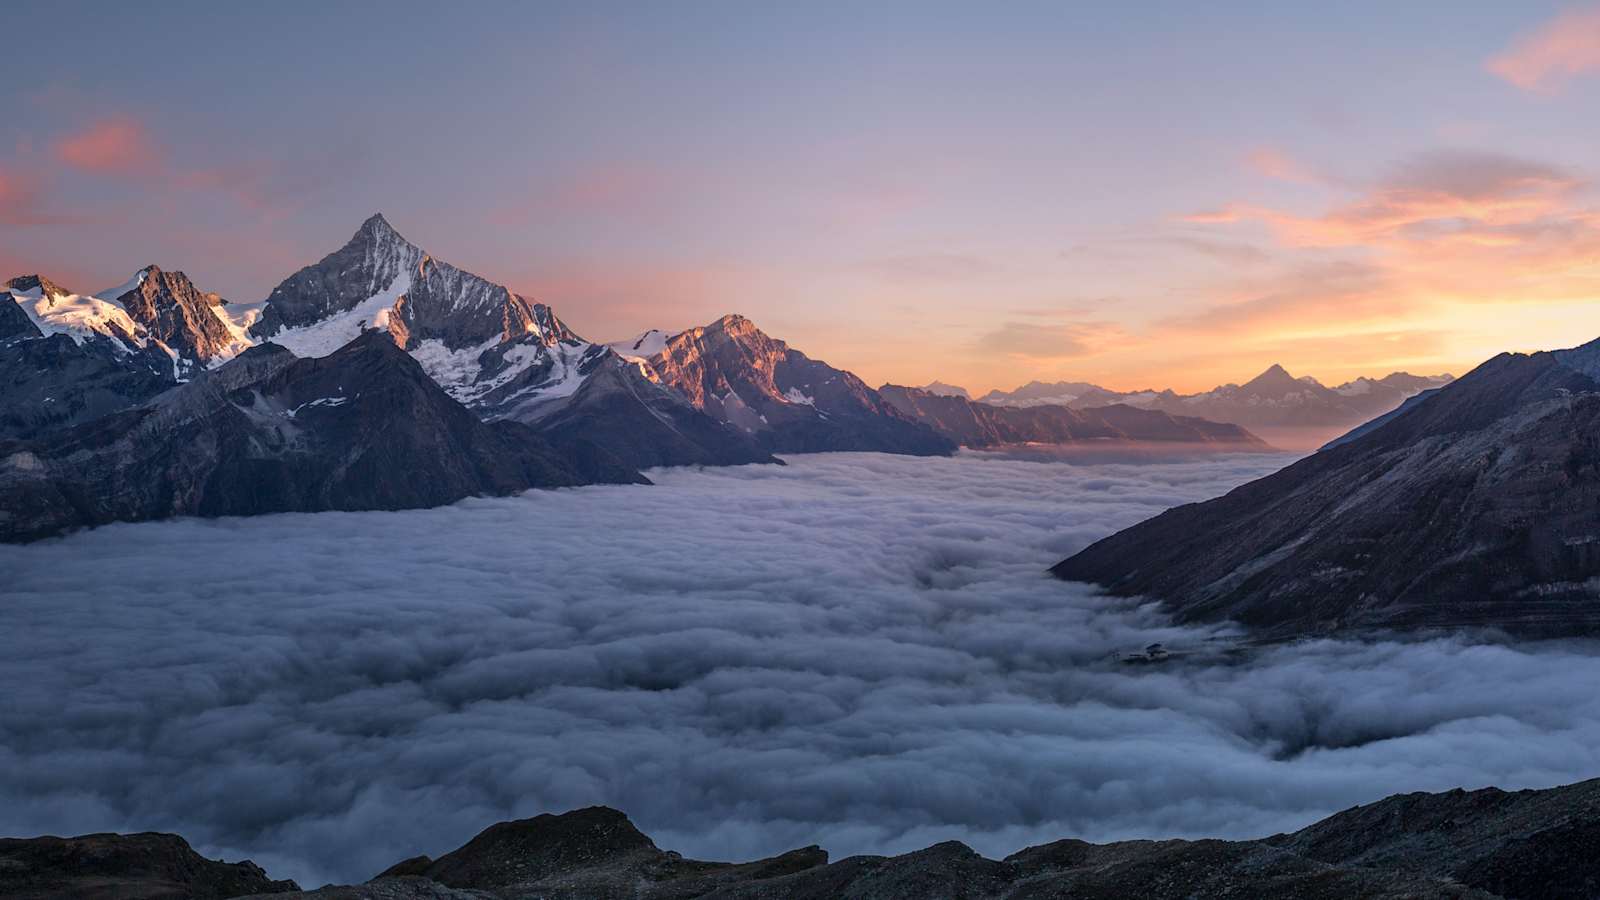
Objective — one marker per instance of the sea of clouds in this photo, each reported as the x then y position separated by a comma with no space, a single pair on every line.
855,650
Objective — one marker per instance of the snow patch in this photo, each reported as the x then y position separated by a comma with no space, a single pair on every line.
324,337
795,395
643,347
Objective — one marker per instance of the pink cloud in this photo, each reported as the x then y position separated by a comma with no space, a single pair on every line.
1546,58
117,146
1274,163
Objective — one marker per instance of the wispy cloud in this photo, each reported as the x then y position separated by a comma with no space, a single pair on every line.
119,146
1274,163
1551,55
1042,341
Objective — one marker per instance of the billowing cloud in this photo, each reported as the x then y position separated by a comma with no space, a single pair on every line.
1554,53
119,146
857,650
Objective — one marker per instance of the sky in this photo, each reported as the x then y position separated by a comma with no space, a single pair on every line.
1136,194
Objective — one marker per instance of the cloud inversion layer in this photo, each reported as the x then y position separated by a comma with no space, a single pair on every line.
856,650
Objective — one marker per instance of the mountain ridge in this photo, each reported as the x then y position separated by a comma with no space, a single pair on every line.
1274,398
1472,845
1473,507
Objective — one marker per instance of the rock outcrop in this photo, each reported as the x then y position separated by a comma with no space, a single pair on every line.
145,866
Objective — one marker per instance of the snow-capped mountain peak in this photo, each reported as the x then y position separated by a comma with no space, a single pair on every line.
642,347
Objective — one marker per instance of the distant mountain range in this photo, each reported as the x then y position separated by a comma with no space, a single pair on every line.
1273,399
979,425
1473,505
1477,845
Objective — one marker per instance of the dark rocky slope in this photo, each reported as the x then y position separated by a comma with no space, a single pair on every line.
124,867
49,382
645,423
783,398
1475,506
974,424
1460,844
362,428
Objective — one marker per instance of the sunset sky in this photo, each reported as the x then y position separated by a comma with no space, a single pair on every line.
1168,194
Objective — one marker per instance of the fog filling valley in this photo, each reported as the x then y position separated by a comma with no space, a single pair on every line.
856,650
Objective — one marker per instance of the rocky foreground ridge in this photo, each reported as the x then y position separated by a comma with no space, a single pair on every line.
1459,844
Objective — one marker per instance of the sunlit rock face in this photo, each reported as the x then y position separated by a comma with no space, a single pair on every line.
783,398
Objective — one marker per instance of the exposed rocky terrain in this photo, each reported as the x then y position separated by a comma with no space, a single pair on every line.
1479,844
175,312
973,424
787,401
362,428
1475,506
503,355
145,866
1272,399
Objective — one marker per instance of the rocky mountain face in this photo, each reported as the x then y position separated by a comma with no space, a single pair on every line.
1475,506
501,354
362,428
781,397
174,312
979,425
1272,399
1478,845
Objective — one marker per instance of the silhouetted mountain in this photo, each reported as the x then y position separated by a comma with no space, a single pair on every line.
361,428
1475,845
974,424
1473,506
787,401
